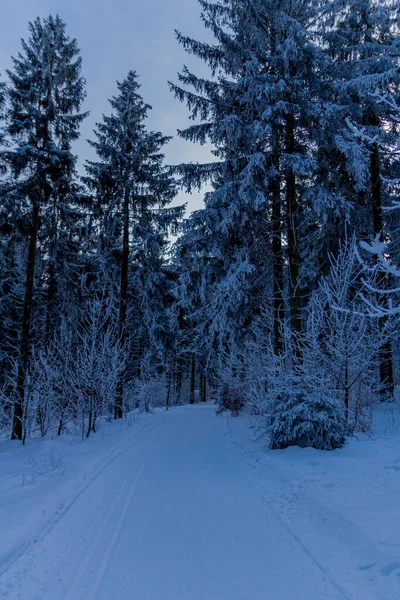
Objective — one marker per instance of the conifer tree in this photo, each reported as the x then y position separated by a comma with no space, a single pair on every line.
133,190
45,94
264,110
364,43
6,252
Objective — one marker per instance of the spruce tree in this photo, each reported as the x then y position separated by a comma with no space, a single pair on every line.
45,94
364,44
133,190
6,253
264,109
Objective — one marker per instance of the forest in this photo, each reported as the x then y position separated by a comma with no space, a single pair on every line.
281,294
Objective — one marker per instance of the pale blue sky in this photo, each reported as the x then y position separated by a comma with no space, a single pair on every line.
115,36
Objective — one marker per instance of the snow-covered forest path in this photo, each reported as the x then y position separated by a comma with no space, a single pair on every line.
173,516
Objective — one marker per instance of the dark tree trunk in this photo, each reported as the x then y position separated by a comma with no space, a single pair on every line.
385,352
52,286
203,387
89,427
276,244
376,192
178,381
346,388
118,411
179,359
170,376
192,378
51,296
292,236
139,358
25,341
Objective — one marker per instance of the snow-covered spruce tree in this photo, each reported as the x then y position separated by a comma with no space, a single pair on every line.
303,410
222,244
6,252
133,190
295,403
263,109
365,48
9,279
336,381
45,94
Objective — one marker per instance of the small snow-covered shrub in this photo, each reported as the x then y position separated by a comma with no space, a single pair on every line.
149,393
304,411
231,395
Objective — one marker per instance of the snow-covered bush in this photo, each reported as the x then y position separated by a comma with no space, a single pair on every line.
148,393
97,363
73,381
295,397
231,392
303,411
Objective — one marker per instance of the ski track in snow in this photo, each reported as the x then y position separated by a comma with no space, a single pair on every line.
188,511
7,561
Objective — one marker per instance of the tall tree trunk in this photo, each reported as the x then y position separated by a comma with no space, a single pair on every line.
292,237
203,386
178,381
276,244
346,387
25,341
51,296
118,412
179,358
170,376
192,378
52,287
385,352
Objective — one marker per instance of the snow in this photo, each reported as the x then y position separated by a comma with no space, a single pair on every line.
184,504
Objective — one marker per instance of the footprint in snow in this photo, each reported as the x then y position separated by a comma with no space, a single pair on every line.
392,467
367,567
329,486
390,568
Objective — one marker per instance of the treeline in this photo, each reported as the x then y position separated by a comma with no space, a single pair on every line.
86,285
279,293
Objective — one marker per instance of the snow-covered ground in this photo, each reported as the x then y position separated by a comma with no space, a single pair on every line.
185,504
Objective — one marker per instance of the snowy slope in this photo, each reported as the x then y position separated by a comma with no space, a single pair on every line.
186,505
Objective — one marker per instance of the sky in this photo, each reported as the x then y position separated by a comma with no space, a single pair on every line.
116,36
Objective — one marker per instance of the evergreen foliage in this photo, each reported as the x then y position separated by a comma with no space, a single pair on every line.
262,299
304,411
133,191
45,94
